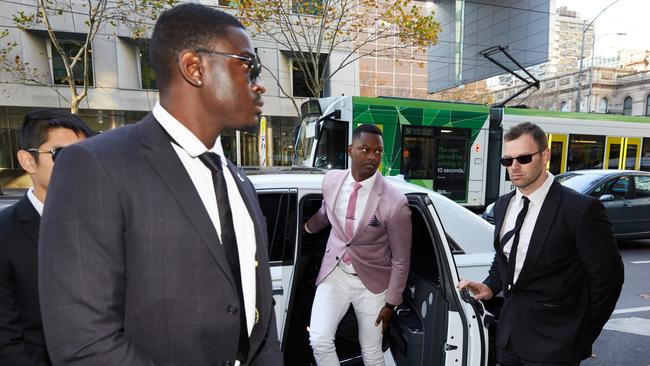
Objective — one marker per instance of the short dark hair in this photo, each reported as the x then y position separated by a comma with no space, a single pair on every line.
185,27
37,124
367,128
528,128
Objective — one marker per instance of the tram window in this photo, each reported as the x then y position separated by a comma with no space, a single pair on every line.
630,158
418,145
331,152
645,155
614,156
556,157
452,159
280,212
585,152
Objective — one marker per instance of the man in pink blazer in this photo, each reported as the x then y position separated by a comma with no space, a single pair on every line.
366,262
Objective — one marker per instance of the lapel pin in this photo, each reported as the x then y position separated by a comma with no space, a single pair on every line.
257,264
257,315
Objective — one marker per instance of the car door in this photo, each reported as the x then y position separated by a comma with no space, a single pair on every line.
616,195
642,205
437,324
279,207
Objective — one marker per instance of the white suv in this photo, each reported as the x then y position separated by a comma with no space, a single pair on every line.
436,325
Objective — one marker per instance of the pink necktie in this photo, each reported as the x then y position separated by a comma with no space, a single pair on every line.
349,218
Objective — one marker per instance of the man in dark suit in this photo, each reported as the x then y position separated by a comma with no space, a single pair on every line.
143,263
42,135
556,262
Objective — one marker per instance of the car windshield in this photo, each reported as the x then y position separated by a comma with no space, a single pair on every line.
578,182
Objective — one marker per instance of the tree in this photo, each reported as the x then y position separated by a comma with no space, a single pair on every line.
311,30
134,16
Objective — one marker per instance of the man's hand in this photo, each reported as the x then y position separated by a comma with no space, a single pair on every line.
384,317
480,290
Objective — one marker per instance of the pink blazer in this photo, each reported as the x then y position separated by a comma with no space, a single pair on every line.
381,245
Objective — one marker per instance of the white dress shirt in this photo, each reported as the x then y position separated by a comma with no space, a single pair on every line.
341,206
514,207
188,149
38,205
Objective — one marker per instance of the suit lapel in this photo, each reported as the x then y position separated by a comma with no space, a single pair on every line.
371,205
541,230
500,209
336,188
165,161
29,218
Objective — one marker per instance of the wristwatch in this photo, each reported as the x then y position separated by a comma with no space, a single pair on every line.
391,306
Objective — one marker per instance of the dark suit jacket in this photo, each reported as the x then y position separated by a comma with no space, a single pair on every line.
131,269
569,284
21,330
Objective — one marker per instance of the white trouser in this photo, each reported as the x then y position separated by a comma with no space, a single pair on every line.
333,298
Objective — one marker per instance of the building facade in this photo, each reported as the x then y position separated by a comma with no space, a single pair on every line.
122,87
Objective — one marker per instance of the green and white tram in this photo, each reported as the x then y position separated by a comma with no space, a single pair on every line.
454,148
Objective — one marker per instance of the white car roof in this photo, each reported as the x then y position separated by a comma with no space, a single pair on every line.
468,230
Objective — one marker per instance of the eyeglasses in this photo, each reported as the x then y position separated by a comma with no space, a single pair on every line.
522,159
254,65
55,152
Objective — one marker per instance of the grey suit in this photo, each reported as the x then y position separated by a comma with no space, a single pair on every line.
131,268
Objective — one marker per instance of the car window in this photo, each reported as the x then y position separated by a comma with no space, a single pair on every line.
642,184
280,212
423,256
617,187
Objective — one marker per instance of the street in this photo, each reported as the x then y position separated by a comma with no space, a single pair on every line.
625,341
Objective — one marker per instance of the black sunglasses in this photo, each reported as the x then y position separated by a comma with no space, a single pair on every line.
522,159
253,62
54,152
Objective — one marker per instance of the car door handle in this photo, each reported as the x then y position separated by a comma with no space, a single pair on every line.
626,205
278,291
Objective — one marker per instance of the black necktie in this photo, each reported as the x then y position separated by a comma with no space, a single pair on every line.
229,242
512,258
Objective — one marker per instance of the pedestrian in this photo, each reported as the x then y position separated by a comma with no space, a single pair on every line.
556,263
42,135
366,262
143,263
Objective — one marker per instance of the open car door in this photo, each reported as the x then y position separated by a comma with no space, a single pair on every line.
436,324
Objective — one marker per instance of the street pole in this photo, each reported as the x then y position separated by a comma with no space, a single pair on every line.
585,28
582,55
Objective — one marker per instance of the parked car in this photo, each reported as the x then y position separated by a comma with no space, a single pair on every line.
437,324
624,193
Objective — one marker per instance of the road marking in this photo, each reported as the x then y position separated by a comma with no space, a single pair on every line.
638,326
640,262
632,310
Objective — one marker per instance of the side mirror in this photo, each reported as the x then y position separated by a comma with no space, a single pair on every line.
606,198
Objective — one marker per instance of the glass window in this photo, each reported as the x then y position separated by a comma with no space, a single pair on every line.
602,105
452,159
564,107
585,152
614,156
555,164
331,152
630,156
71,47
423,256
645,155
647,105
642,185
147,76
311,7
280,212
418,145
299,79
627,106
617,187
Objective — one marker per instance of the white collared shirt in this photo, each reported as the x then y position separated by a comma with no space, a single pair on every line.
343,197
514,207
38,205
188,149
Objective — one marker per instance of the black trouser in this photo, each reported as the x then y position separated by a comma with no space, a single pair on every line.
508,357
